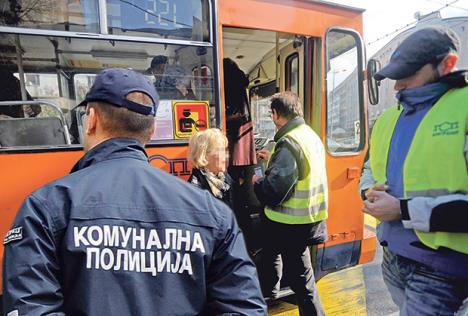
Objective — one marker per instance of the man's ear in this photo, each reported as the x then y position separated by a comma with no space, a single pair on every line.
447,65
273,111
91,121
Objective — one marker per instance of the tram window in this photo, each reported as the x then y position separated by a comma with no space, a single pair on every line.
64,81
344,102
41,85
70,15
292,73
260,97
201,83
82,83
177,19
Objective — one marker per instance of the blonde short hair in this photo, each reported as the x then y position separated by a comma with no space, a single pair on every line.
202,143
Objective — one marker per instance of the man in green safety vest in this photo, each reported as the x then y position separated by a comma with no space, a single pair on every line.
294,192
419,180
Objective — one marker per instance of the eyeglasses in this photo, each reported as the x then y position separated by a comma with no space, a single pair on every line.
270,114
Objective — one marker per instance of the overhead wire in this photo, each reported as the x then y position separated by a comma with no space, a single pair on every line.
452,6
409,24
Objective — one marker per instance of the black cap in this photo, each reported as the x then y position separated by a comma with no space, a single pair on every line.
113,85
420,48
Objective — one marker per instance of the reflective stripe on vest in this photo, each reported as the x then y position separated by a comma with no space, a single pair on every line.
308,203
307,194
435,164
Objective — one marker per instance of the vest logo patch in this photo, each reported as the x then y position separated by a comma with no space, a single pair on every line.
14,234
445,129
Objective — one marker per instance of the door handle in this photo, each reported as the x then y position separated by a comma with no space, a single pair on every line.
353,172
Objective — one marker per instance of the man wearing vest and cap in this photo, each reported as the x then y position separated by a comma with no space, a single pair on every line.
418,162
119,237
294,192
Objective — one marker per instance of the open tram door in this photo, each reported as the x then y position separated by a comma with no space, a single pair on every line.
323,64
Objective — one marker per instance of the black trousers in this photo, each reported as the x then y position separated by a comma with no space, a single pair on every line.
285,249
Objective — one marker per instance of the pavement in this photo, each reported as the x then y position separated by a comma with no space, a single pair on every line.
378,300
355,291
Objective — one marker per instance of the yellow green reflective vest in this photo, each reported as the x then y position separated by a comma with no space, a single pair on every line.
309,200
435,164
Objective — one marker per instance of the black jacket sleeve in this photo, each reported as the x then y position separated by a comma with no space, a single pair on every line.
450,217
31,269
232,282
280,177
445,213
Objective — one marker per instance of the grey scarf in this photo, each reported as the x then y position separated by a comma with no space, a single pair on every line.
217,182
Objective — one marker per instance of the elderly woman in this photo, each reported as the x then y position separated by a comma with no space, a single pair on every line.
208,156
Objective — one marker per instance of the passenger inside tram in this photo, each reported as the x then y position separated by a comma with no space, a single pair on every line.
11,91
176,84
157,69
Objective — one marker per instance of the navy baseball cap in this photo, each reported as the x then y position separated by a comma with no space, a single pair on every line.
425,45
113,85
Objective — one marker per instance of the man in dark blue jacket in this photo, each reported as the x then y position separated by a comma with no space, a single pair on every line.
119,237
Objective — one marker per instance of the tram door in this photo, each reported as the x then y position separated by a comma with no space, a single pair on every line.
344,128
298,46
272,62
276,61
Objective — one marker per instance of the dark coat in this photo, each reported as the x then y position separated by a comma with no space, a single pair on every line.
287,165
239,127
120,237
198,179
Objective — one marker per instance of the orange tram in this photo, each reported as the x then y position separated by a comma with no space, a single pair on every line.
50,52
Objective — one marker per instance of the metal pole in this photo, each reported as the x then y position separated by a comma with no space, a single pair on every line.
19,57
57,68
277,62
103,17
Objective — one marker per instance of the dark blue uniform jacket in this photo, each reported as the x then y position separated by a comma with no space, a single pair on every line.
119,237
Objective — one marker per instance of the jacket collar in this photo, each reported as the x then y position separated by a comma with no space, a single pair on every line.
418,98
290,125
111,149
456,79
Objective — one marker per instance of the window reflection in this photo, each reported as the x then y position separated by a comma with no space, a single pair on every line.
343,101
178,19
60,15
260,101
173,19
292,73
57,71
